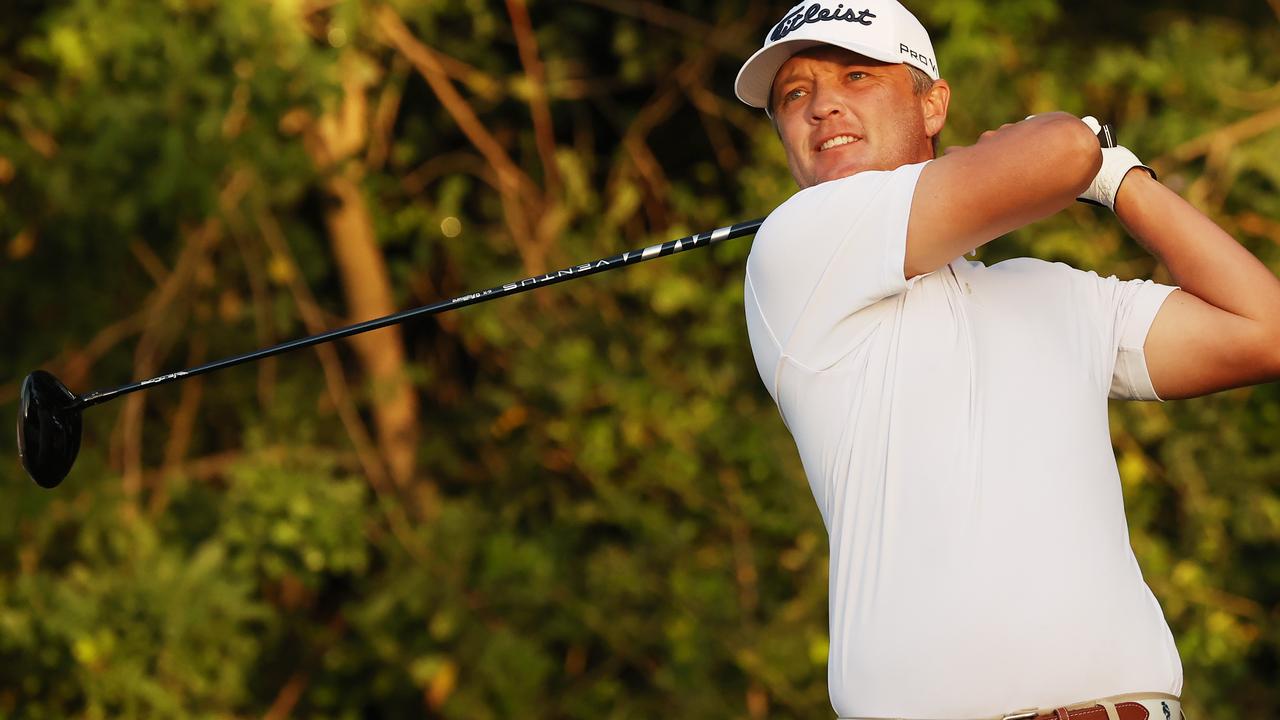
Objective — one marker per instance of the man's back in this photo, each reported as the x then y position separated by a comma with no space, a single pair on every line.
954,431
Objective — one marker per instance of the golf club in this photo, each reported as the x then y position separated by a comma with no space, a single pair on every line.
49,415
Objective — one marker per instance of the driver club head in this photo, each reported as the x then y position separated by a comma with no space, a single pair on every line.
48,428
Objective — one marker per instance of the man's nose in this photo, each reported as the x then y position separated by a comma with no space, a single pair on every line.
825,102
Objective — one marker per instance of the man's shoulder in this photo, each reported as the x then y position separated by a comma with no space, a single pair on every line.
846,191
837,206
1027,279
1021,265
1030,267
1032,280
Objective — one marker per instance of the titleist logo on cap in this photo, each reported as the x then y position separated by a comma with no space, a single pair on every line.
816,13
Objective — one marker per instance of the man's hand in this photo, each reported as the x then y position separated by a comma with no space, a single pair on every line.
981,138
1116,163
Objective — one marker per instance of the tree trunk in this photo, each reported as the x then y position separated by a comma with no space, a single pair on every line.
367,286
335,142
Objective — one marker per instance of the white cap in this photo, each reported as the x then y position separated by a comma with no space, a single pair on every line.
879,29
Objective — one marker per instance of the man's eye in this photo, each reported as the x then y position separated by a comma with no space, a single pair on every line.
793,94
857,75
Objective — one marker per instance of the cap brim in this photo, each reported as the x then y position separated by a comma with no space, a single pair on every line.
755,79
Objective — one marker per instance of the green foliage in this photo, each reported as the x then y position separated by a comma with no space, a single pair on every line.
108,619
608,518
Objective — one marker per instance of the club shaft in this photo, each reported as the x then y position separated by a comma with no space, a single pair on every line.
515,287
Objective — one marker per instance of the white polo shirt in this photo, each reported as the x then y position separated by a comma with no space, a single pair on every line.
954,432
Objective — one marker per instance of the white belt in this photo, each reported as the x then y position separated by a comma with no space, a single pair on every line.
1159,707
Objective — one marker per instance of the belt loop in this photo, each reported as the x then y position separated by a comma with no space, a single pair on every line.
1111,710
1060,713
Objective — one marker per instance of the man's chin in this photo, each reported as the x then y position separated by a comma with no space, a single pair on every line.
847,167
843,170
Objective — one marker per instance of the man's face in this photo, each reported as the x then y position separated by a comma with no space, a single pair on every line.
839,113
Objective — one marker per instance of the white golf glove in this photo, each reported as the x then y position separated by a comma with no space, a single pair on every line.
1116,163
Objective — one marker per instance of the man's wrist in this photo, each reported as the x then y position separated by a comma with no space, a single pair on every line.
1131,186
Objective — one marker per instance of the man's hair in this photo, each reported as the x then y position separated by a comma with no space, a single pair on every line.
921,83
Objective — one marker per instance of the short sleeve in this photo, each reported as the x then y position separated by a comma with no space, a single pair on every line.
827,253
1134,307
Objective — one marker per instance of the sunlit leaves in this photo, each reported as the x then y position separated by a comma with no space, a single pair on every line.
611,520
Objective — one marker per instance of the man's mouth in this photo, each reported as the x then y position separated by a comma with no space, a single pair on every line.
837,141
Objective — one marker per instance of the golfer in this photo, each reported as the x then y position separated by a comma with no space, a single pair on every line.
952,417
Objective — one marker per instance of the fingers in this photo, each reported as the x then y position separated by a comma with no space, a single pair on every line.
990,133
1088,120
983,136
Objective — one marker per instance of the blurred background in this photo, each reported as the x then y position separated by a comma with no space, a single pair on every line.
575,503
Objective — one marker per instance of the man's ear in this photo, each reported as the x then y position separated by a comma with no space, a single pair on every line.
934,103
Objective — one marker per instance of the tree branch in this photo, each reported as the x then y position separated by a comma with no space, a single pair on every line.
152,346
510,177
1230,135
709,112
654,14
1256,224
521,199
661,106
73,366
181,426
288,697
452,163
544,133
336,383
384,115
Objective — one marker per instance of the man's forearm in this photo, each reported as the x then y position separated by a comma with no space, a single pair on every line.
1203,259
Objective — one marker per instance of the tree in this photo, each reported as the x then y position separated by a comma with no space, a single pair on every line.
577,502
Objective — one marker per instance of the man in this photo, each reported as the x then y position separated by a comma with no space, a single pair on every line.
952,417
